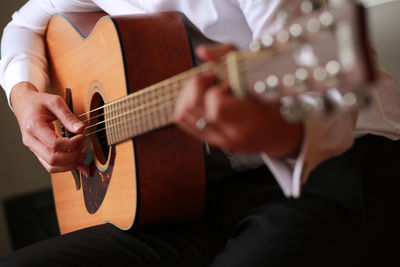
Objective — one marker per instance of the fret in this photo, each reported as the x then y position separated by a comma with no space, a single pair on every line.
147,109
126,121
107,124
133,117
117,122
154,97
123,120
114,122
111,123
129,119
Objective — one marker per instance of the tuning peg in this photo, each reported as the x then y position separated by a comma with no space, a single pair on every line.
282,36
295,30
288,80
350,99
326,19
309,6
255,46
293,110
332,67
267,41
282,15
260,87
301,75
272,81
320,74
269,87
306,7
313,25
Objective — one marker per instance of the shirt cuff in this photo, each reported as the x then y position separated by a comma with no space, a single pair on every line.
285,174
23,72
324,136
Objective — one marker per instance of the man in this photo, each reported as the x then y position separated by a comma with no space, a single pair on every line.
248,221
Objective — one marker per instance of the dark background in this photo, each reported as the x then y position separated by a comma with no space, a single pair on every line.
22,174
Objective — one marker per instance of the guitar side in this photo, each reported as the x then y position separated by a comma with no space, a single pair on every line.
150,178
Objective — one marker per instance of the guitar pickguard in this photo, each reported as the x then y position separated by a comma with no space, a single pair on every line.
95,187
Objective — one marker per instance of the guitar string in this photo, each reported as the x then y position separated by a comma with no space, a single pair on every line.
177,78
132,120
133,110
171,83
137,118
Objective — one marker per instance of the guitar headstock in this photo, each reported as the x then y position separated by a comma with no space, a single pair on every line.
325,47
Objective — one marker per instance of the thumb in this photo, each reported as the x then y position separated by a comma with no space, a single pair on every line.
60,109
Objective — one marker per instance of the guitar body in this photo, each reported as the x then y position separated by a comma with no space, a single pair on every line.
157,177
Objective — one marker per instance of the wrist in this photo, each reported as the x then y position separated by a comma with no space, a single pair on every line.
20,90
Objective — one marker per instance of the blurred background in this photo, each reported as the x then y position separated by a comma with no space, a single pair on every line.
23,176
21,172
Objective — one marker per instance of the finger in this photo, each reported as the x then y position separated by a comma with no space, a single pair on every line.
70,144
63,168
50,157
191,97
219,104
60,109
84,169
212,52
210,133
55,143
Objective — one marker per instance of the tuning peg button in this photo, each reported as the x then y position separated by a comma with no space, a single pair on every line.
282,36
255,46
333,67
267,41
313,25
272,81
295,30
306,7
260,87
326,19
288,80
301,74
320,74
293,110
282,15
350,99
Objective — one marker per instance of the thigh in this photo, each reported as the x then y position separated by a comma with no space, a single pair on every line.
190,244
321,228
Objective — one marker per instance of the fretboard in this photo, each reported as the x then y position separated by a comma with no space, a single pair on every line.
148,109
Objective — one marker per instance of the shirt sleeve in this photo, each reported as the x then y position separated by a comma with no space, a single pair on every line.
323,137
23,56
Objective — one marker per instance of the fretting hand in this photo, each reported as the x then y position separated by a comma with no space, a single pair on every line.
207,110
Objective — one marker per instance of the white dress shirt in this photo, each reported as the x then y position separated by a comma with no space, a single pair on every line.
233,21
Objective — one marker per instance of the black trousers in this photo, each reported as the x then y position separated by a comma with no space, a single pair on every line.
346,216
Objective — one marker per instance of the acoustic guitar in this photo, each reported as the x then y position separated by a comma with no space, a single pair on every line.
121,76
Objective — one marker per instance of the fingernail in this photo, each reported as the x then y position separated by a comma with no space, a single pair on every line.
77,125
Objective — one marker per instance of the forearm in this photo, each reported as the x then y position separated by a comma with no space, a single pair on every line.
23,56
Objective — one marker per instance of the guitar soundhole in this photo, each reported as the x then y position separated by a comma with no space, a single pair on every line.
100,158
99,138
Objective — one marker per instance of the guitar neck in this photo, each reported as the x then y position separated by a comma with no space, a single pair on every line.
324,48
150,108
